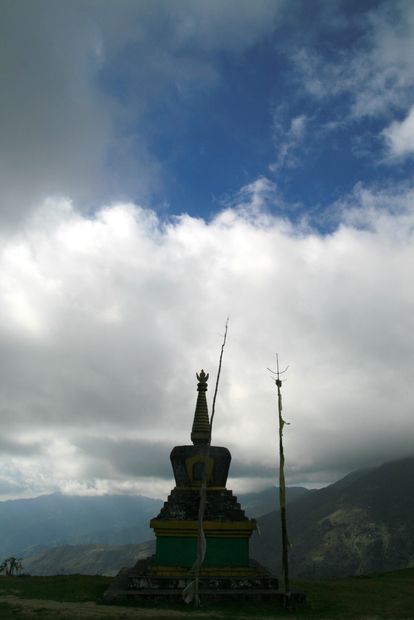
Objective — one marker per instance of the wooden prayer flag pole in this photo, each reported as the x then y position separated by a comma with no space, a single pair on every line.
201,540
282,484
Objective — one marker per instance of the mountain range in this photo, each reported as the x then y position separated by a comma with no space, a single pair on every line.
65,534
363,523
30,525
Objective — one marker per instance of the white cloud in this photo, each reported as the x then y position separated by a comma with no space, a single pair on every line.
374,76
252,202
399,136
121,309
288,142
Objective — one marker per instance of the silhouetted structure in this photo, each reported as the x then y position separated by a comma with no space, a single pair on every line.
226,571
226,528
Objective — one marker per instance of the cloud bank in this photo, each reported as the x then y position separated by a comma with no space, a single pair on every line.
106,319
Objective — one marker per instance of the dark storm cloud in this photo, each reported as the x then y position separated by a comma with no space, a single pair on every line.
356,451
125,457
253,469
136,458
18,448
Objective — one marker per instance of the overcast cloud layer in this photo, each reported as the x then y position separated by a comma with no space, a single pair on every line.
113,294
106,320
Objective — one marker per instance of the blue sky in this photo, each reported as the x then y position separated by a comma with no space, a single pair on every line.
179,105
164,165
212,137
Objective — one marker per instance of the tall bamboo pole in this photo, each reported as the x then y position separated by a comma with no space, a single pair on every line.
282,484
201,540
282,492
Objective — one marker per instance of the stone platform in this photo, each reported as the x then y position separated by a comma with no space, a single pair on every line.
148,581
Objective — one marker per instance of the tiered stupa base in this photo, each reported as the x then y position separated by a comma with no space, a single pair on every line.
225,526
149,581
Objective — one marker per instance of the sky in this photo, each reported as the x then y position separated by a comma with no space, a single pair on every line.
166,165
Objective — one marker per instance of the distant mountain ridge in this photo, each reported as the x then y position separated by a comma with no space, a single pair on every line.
99,528
363,523
29,525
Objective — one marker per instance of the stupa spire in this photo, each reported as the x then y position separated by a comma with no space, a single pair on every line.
200,433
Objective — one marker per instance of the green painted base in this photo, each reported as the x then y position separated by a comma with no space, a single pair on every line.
182,550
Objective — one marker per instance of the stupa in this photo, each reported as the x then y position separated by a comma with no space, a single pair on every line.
227,570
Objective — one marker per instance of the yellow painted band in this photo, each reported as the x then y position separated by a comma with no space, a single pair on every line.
197,485
219,529
226,571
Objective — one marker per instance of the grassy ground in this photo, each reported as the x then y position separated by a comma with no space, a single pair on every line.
389,596
68,588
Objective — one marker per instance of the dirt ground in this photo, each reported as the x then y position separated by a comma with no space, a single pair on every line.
12,607
34,608
30,609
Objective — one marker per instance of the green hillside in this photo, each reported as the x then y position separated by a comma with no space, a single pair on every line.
362,524
87,559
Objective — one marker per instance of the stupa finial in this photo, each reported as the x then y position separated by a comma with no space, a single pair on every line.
202,378
200,433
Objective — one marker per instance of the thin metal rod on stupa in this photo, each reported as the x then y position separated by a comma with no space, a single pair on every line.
282,484
201,540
